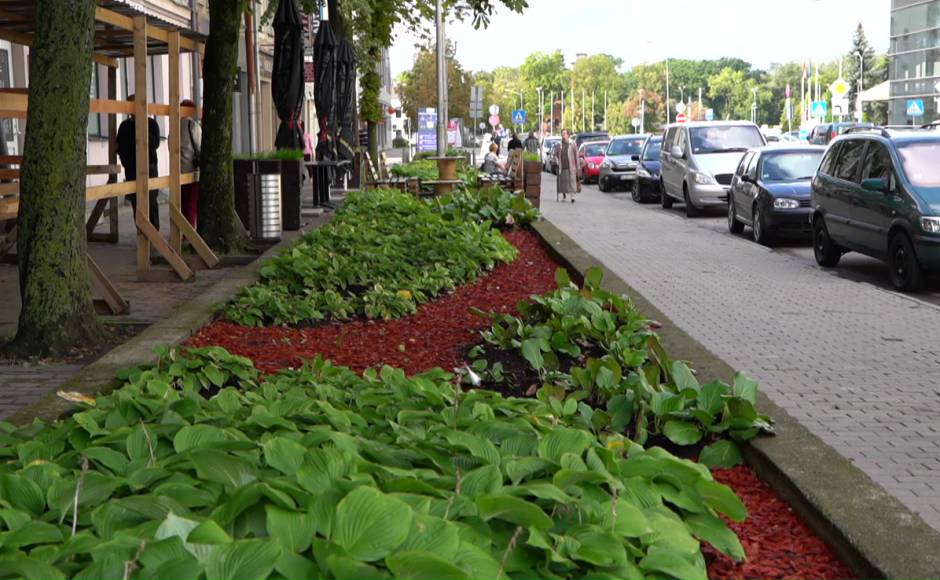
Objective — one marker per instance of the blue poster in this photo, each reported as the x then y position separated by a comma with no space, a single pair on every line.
427,130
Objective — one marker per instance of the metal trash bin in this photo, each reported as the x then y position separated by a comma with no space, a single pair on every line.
270,222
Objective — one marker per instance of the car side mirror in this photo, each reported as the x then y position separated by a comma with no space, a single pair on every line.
676,151
876,184
634,158
746,178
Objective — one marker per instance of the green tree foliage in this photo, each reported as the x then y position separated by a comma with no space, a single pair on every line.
418,86
875,72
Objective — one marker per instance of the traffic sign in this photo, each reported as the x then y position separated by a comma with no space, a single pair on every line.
915,108
482,126
518,117
494,119
635,121
709,114
840,106
494,109
819,109
839,88
681,118
680,107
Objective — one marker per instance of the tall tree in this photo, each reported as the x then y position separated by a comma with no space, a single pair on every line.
57,310
418,87
872,74
218,223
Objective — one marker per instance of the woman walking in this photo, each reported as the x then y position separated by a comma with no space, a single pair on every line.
569,177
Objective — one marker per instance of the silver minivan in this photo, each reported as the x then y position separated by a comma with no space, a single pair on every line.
699,160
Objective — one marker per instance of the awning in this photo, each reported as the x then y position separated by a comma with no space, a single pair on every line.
880,92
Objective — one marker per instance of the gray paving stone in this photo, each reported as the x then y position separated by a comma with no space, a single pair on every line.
856,364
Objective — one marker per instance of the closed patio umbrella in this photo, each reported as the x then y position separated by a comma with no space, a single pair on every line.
324,88
287,84
345,136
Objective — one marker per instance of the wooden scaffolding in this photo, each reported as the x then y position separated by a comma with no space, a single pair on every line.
121,31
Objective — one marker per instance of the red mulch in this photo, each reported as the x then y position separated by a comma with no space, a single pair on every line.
778,544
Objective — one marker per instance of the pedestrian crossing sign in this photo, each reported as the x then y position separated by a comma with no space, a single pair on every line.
518,117
915,108
819,109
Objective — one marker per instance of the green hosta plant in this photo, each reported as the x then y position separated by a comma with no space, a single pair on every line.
492,204
321,473
593,352
383,253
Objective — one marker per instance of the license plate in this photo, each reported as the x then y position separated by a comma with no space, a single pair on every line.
624,177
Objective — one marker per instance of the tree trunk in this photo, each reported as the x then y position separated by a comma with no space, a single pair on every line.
218,223
373,131
57,311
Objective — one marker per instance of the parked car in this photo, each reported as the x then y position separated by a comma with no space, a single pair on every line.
825,133
646,184
699,160
878,193
590,156
770,191
552,159
546,150
582,138
618,168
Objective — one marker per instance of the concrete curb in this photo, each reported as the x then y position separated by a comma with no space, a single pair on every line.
99,377
869,529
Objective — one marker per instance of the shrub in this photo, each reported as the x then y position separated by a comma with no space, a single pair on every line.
492,204
400,142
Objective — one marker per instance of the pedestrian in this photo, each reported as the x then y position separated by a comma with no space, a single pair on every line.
491,164
569,178
531,143
496,139
190,149
127,151
514,143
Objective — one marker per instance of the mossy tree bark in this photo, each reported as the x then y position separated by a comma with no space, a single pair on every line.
218,223
57,311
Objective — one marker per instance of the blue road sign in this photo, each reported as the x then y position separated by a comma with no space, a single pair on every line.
518,117
709,114
915,108
819,109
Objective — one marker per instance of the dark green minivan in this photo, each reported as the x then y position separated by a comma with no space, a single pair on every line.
878,192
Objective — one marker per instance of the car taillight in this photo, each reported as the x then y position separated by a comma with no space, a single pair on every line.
834,134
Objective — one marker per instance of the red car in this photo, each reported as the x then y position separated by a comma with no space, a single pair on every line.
590,157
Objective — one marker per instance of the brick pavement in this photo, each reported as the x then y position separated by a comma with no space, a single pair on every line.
857,365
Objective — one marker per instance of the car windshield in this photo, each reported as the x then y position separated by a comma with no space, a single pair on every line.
725,139
653,150
625,147
920,161
594,149
792,166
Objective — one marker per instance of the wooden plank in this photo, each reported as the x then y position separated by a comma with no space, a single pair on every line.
114,226
96,214
14,159
90,170
143,153
179,265
27,40
100,281
193,237
127,23
173,138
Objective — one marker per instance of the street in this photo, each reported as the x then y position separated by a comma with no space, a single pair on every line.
852,360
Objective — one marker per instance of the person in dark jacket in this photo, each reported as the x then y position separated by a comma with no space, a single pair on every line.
126,149
514,143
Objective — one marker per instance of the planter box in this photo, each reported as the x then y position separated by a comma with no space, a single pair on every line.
245,187
291,180
532,167
533,179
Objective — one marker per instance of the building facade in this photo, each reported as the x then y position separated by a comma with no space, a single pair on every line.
914,70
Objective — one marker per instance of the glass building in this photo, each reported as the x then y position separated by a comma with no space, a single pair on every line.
914,69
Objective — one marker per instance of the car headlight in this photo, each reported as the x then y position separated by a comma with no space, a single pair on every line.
931,225
786,203
606,164
591,166
632,165
704,179
643,173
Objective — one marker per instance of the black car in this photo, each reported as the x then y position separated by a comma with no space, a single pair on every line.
582,138
770,191
823,134
646,186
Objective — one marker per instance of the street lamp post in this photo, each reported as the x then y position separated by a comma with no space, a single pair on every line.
754,106
668,114
859,112
441,82
541,113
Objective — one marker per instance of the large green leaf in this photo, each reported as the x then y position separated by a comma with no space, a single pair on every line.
243,560
665,560
683,377
682,432
32,533
284,455
721,455
593,277
711,398
297,567
17,566
196,436
22,493
294,530
417,565
721,498
480,481
220,467
432,535
630,521
562,440
369,525
514,510
532,352
745,388
713,530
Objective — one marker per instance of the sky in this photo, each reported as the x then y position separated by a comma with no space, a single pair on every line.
758,31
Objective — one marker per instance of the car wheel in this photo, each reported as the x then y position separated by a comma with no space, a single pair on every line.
734,226
906,274
602,185
826,251
664,199
759,228
635,191
690,210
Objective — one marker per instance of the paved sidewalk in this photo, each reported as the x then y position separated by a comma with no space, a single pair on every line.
857,365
